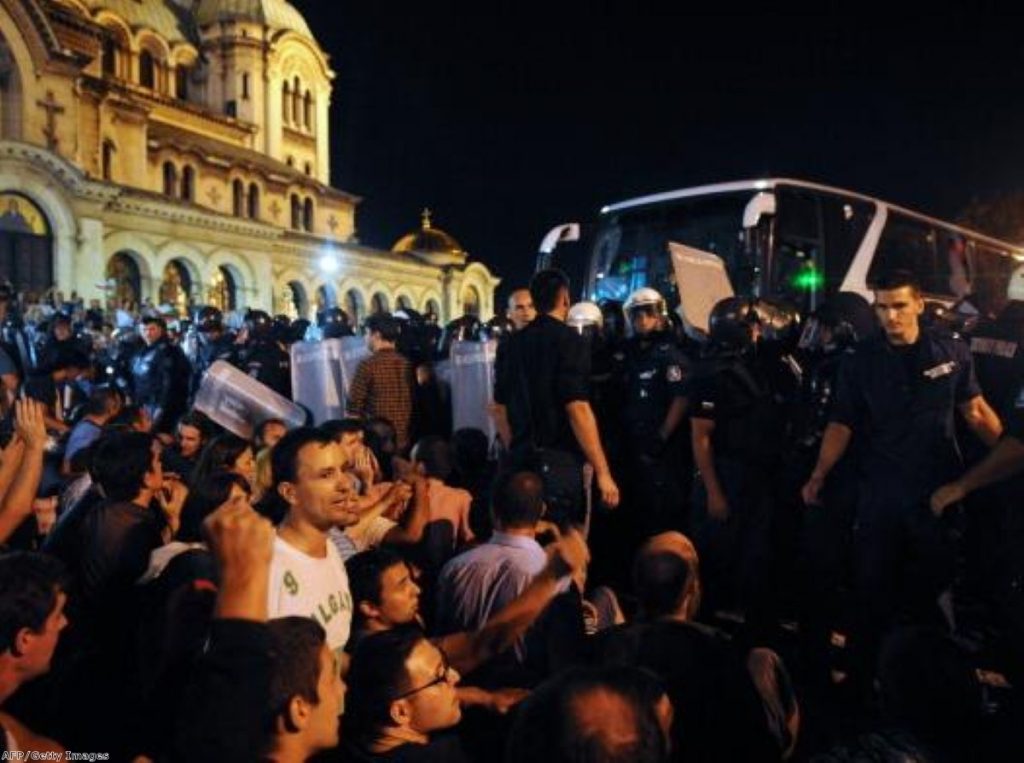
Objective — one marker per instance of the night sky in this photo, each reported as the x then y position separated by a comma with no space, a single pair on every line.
506,121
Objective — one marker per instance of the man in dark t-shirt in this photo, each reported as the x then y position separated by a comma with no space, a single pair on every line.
541,378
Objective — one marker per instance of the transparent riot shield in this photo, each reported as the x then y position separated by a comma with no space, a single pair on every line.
239,403
317,380
353,352
472,384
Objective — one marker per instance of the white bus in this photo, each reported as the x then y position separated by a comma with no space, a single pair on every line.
788,239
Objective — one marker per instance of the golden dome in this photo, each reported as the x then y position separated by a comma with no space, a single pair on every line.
276,14
431,244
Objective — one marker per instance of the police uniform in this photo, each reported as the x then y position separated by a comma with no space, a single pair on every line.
735,391
266,362
208,353
902,400
160,383
654,374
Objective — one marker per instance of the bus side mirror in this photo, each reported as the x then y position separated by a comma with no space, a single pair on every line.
762,204
554,237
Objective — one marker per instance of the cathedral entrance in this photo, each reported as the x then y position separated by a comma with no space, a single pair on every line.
26,246
124,282
223,291
176,287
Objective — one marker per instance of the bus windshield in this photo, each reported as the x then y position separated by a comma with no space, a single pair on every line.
631,245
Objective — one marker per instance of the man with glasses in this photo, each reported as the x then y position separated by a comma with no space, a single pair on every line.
402,697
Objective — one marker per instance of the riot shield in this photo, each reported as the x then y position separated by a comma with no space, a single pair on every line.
353,352
472,384
239,403
317,380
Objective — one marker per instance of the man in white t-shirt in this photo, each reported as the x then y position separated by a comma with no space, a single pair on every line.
307,575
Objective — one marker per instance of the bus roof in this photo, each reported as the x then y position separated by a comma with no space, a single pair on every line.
765,184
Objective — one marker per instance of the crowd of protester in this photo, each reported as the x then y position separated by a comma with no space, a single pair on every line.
782,538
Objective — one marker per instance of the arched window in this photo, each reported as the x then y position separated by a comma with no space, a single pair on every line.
181,77
378,304
254,201
147,70
170,179
238,198
286,102
108,160
296,212
309,169
297,102
307,110
307,215
188,184
245,86
110,57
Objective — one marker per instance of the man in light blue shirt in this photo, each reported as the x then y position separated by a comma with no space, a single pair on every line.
480,582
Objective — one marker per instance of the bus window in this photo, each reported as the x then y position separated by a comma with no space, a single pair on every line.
908,244
846,222
631,245
990,276
797,267
952,268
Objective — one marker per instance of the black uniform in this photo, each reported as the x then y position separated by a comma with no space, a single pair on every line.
744,395
901,400
265,361
654,374
208,353
160,381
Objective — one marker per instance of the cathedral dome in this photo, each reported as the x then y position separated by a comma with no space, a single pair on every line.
431,244
279,15
168,20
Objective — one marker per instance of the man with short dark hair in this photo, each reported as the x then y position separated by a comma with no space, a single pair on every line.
384,382
541,379
182,457
307,575
898,392
160,376
401,697
103,405
478,584
306,691
32,602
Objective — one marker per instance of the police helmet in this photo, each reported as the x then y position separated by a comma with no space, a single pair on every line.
464,329
780,321
498,327
731,323
843,320
209,318
334,323
584,315
259,324
645,297
297,330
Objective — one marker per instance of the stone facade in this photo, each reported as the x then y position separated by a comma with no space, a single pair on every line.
178,153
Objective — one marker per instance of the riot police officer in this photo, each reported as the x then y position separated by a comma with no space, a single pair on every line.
738,424
653,377
334,323
998,348
214,344
160,376
830,335
263,358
